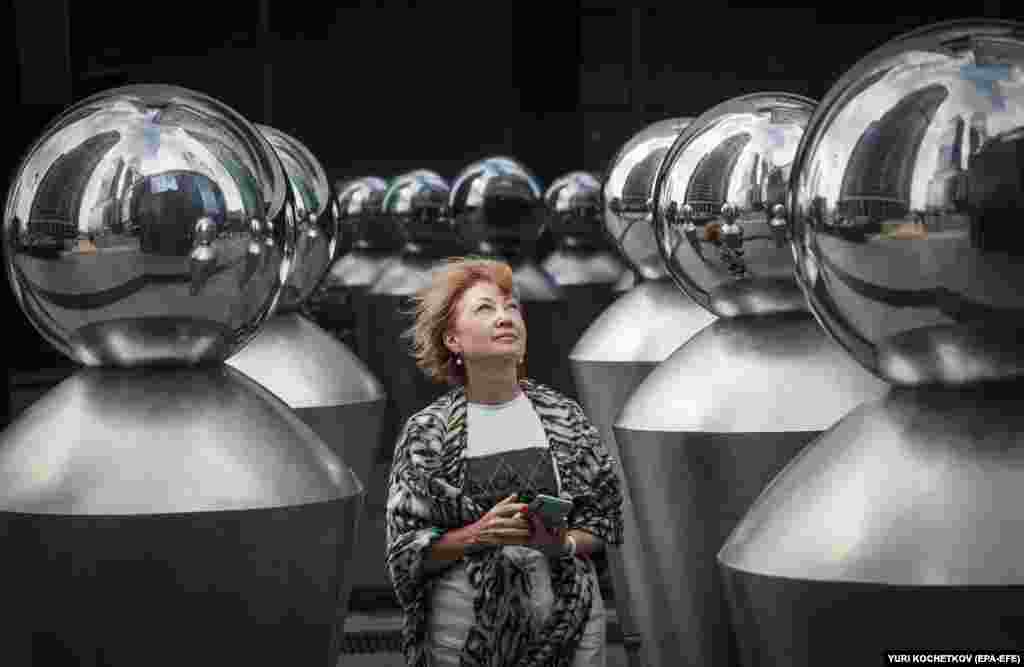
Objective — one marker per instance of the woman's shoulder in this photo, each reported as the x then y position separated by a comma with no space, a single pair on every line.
440,408
551,399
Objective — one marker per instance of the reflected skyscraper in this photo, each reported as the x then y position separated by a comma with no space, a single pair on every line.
947,188
978,134
707,189
876,183
54,212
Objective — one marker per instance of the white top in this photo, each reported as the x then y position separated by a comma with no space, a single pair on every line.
505,427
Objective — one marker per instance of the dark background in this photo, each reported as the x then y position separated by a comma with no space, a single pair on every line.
387,87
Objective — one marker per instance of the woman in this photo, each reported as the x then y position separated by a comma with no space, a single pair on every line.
481,581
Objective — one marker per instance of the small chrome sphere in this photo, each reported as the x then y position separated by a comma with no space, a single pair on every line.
360,206
574,205
317,224
628,191
418,201
906,196
496,206
714,196
127,226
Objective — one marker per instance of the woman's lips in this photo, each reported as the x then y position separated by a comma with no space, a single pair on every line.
508,336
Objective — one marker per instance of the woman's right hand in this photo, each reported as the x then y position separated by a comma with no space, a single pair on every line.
505,524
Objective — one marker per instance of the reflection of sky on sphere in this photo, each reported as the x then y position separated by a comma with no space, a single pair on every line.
568,188
306,175
994,90
147,147
776,143
414,190
400,196
356,196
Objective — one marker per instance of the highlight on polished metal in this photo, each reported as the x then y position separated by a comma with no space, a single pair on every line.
496,206
628,191
906,199
584,257
360,207
716,196
574,201
418,202
148,224
316,214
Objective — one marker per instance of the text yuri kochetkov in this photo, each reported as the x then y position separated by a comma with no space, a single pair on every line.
934,657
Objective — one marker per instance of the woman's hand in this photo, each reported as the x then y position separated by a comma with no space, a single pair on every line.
503,525
548,541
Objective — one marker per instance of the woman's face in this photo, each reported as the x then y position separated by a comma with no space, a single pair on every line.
488,325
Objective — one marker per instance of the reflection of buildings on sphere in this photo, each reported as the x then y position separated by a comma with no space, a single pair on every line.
775,183
709,184
166,207
877,181
978,132
947,188
53,218
108,214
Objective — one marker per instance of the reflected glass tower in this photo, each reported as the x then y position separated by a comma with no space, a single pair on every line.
708,187
876,183
946,187
53,217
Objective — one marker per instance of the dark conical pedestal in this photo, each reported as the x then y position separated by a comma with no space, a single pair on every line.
340,301
326,385
700,438
900,521
612,358
180,516
587,277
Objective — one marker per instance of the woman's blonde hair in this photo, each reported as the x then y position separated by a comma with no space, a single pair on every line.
435,309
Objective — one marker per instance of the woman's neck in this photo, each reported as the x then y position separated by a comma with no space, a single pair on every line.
492,387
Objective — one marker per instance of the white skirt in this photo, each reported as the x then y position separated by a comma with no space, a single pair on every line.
452,614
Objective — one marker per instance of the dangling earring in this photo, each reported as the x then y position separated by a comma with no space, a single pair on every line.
458,360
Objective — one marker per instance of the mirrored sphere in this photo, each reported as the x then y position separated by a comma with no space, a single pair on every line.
418,201
148,225
496,204
574,204
360,207
907,194
316,217
715,195
628,193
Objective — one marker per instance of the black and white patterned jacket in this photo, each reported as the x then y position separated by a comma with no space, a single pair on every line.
425,499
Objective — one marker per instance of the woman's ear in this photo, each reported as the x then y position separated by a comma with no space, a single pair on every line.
451,342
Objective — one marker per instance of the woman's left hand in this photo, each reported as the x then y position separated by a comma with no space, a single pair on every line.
550,542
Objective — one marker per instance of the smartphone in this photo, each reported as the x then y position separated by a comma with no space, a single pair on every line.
551,510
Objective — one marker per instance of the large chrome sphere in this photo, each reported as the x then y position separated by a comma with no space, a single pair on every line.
906,195
418,201
720,232
574,205
316,216
148,224
628,194
496,204
360,206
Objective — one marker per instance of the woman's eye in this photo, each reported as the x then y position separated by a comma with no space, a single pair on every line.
514,305
482,306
